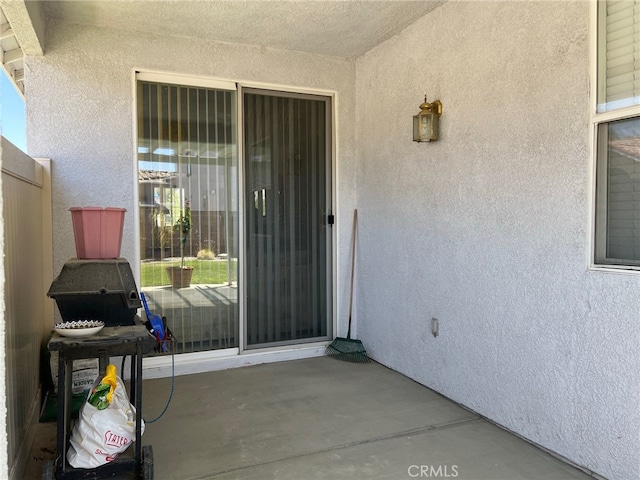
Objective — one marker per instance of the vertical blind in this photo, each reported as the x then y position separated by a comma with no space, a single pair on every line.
619,54
187,154
286,185
623,189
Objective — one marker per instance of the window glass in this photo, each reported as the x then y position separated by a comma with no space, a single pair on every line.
618,55
618,185
188,187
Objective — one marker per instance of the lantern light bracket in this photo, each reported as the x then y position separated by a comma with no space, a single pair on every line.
433,107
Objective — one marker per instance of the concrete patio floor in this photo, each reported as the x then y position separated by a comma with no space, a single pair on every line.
320,418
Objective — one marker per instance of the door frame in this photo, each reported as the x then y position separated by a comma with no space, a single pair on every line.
158,367
331,245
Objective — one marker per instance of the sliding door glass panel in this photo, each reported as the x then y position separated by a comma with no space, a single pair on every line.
188,186
287,186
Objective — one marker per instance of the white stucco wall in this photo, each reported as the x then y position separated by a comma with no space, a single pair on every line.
488,229
80,110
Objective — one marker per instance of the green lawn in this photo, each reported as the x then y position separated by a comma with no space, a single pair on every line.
204,271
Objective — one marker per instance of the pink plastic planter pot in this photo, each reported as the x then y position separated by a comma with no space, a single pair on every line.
97,231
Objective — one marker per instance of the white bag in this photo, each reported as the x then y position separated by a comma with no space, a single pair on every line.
99,436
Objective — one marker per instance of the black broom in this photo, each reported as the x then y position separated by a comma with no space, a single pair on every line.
346,348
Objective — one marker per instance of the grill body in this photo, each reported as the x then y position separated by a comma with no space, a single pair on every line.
102,290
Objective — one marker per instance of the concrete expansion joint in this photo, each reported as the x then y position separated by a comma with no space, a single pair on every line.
404,433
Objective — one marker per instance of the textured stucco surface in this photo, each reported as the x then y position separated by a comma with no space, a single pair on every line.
80,110
325,27
487,229
27,22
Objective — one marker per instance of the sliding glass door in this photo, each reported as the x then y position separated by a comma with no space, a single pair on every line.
188,194
287,171
190,213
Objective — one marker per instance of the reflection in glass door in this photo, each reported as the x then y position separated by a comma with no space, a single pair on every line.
287,171
188,177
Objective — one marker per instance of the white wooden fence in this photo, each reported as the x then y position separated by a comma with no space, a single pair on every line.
28,313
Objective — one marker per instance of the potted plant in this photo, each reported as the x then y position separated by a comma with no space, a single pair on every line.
181,276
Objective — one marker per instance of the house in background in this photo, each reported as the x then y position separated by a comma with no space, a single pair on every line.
516,230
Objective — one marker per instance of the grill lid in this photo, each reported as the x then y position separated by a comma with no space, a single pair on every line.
97,277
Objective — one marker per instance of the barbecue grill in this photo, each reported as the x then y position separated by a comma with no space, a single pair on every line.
103,290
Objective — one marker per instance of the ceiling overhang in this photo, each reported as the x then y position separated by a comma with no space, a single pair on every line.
21,33
339,28
345,28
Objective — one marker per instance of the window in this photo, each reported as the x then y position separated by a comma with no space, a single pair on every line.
616,124
188,198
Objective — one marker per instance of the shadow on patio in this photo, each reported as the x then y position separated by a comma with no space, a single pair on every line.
202,317
320,418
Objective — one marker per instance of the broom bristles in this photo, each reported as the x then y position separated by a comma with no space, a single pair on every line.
347,350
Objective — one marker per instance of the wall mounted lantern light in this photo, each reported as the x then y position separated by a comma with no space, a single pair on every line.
425,123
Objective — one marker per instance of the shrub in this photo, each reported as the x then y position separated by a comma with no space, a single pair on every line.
206,254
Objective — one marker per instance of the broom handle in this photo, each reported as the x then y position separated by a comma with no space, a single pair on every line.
353,263
146,307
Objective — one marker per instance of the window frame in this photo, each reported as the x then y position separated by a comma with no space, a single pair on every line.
598,259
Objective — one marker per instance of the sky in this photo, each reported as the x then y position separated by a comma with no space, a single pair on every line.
13,124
